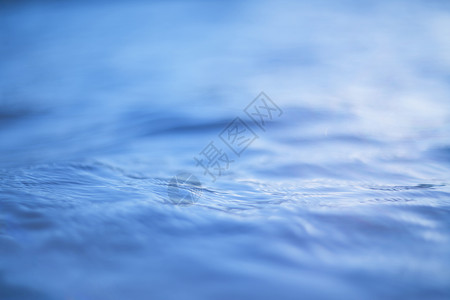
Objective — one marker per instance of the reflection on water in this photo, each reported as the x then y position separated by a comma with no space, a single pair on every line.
346,196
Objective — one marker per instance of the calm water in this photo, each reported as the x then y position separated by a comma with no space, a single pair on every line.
344,196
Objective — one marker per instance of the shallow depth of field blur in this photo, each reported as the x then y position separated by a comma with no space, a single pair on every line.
346,195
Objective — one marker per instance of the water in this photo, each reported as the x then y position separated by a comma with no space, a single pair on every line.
344,196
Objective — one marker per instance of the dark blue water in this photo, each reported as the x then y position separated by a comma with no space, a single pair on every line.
345,195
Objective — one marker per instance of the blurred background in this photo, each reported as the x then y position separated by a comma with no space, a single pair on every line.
344,196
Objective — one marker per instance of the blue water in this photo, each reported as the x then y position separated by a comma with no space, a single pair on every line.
346,195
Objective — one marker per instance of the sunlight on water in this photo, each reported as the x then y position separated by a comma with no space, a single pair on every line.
109,109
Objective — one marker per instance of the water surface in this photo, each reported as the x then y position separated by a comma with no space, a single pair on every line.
344,196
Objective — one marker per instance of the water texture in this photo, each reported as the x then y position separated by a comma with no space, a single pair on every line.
344,196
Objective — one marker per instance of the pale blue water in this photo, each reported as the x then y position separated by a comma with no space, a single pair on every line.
344,196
